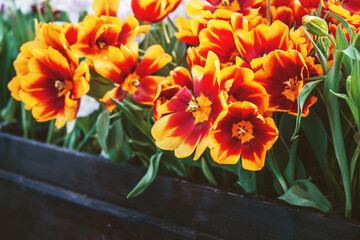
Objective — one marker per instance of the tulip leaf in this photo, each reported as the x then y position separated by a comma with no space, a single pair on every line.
351,104
343,45
247,179
323,59
344,23
175,164
102,129
316,135
148,177
117,144
341,41
351,52
289,172
355,81
305,194
135,118
207,172
307,89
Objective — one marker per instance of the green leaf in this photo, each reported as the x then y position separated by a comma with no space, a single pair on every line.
286,126
148,177
247,179
344,23
316,136
351,52
135,118
351,104
173,163
117,144
290,170
323,59
305,194
102,129
333,109
307,89
342,44
8,113
355,83
207,172
341,41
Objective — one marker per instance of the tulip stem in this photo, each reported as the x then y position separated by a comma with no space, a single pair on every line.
38,10
50,131
166,34
353,162
274,168
24,121
86,138
315,78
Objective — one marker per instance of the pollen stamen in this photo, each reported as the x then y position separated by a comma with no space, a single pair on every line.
292,89
63,87
243,131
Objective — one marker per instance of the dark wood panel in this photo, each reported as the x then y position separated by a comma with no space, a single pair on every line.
34,210
200,208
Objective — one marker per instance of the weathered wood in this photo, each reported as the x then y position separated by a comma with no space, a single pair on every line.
170,207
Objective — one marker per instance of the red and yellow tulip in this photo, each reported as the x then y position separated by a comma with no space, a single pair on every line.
243,132
283,76
188,117
121,67
151,11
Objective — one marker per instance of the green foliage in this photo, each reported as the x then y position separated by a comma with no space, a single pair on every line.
305,194
148,177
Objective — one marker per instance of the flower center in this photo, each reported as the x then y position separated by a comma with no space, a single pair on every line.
131,83
63,86
101,44
229,4
292,89
225,3
200,108
243,131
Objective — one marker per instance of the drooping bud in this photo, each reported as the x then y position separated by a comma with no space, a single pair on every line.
315,25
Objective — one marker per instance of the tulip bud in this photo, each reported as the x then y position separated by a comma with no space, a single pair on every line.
315,25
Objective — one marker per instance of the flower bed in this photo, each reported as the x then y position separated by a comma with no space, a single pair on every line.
252,96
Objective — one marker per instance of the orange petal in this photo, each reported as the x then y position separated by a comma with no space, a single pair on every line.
116,93
148,90
154,59
109,70
81,80
105,7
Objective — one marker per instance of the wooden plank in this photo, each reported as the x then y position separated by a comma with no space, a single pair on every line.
32,209
204,209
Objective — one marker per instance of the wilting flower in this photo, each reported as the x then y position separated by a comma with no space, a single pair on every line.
283,76
53,87
243,132
187,118
151,11
123,69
